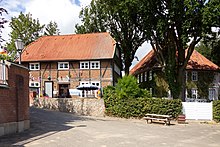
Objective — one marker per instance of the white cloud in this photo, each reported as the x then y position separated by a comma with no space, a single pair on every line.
64,12
141,52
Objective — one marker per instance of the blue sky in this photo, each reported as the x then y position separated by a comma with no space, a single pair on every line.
64,12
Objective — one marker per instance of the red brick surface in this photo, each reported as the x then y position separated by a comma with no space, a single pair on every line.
14,101
76,75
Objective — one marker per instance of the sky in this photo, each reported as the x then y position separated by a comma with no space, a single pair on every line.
64,12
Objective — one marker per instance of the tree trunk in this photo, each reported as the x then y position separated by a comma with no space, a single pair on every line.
127,66
181,82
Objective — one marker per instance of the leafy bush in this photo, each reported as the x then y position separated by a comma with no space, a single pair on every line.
216,110
128,87
128,100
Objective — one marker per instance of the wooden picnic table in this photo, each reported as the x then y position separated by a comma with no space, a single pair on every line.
158,117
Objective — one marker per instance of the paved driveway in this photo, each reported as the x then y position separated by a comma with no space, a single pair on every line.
57,129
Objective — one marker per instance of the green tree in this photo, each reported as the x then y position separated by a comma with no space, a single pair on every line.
28,30
25,28
121,19
211,50
2,22
174,28
51,29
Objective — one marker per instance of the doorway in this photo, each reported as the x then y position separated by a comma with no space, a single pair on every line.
64,91
48,89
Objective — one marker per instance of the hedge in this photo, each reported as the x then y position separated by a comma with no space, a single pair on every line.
216,110
138,107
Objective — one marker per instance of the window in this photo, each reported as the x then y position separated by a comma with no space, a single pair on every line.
95,65
34,66
151,91
117,52
63,65
84,82
150,75
194,93
84,65
138,78
96,83
34,84
117,69
212,94
3,73
141,80
194,76
145,76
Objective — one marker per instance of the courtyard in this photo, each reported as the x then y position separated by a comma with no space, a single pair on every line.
57,129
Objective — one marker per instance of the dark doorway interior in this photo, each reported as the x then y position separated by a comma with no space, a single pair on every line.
64,91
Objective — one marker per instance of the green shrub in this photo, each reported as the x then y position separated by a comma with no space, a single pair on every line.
128,100
138,107
128,87
216,110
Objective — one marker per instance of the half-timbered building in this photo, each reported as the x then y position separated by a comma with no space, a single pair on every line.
58,64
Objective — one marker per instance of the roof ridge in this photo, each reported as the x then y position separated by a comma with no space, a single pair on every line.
92,33
45,36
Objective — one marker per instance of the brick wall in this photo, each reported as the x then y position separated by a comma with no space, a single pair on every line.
14,101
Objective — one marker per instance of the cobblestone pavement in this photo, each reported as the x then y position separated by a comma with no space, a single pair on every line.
57,129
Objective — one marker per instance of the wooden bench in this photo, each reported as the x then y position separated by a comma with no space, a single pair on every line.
158,117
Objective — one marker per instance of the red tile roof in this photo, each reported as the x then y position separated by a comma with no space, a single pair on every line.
196,62
70,47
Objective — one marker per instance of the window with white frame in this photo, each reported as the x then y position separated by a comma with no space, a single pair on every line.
34,66
194,76
3,73
94,64
63,65
145,76
150,75
84,65
212,93
84,82
194,93
141,80
34,84
96,83
151,91
138,80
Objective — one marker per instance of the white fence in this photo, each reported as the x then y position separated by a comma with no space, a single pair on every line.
198,111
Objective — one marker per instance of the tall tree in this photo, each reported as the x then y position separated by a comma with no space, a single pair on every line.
25,28
211,50
28,30
51,29
2,22
174,28
121,19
